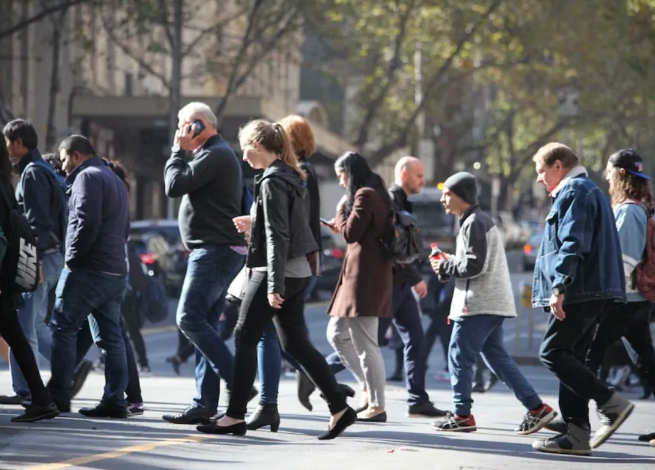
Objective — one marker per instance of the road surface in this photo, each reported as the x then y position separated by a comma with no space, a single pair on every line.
148,443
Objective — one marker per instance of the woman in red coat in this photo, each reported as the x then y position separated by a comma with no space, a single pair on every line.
363,293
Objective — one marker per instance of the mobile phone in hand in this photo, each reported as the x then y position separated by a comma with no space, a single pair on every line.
326,222
197,127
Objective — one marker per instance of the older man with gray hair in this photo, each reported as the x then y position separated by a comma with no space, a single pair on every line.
211,187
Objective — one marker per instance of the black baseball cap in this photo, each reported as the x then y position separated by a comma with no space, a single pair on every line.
630,161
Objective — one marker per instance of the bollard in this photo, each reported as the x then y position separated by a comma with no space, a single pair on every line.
526,302
517,332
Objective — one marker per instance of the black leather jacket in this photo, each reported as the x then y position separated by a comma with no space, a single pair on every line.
280,225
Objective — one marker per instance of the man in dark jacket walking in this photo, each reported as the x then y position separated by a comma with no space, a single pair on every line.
406,319
94,279
211,187
41,200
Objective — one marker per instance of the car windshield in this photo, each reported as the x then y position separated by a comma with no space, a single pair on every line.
170,233
432,219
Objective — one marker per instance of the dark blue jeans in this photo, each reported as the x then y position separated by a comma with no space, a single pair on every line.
407,321
79,292
84,343
477,334
269,358
210,271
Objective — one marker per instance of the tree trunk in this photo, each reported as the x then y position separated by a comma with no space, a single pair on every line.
51,131
175,86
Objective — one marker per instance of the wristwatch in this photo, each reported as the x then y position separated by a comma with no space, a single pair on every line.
559,290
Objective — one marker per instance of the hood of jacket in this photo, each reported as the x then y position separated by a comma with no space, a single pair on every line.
279,169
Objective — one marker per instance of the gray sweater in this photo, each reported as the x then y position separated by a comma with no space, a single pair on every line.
482,281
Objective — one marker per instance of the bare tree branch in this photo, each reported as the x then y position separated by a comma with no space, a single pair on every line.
393,66
164,21
235,84
401,140
249,37
39,16
136,57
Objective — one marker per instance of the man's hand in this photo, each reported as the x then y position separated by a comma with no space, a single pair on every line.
184,138
243,223
421,289
275,300
40,273
556,307
435,263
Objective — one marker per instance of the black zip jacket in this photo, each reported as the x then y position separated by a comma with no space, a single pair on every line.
280,225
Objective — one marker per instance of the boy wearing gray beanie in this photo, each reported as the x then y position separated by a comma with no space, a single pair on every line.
482,300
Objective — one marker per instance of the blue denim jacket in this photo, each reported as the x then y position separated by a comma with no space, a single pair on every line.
580,249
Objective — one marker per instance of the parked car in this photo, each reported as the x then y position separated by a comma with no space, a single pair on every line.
159,244
530,250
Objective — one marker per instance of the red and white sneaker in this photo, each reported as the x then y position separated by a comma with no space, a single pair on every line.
535,420
455,423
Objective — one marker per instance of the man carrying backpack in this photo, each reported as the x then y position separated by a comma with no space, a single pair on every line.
41,200
406,317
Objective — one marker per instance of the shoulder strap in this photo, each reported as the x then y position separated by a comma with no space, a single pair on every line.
7,199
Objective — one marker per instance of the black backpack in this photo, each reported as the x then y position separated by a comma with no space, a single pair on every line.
402,242
20,266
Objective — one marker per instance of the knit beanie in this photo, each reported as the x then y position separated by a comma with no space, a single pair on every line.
464,185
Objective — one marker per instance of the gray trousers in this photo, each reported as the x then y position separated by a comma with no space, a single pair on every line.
356,342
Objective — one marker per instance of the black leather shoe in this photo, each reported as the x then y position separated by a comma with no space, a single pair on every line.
103,410
192,415
266,415
647,437
37,413
238,429
347,419
345,389
426,410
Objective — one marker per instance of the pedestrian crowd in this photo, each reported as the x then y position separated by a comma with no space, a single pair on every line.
254,255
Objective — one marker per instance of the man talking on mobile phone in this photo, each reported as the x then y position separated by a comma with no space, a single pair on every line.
211,187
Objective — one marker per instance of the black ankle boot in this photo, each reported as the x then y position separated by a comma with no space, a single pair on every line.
266,415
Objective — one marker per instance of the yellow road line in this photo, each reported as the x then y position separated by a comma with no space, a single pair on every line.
114,454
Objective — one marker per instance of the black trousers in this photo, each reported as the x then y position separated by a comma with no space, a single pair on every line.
12,333
255,315
563,352
84,343
130,312
631,322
